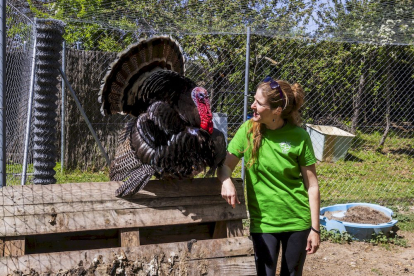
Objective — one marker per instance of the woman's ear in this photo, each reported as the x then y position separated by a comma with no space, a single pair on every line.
277,111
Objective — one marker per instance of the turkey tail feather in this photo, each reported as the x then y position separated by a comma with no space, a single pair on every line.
125,159
119,88
137,179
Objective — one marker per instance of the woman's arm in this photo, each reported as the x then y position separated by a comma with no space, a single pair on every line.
228,191
311,183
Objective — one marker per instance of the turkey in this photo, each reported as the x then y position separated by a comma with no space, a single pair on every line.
172,136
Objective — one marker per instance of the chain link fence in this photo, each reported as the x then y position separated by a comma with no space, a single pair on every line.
363,90
19,53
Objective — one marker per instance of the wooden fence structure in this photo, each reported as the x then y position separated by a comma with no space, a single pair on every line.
169,228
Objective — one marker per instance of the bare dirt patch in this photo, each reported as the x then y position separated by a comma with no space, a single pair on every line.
361,258
359,214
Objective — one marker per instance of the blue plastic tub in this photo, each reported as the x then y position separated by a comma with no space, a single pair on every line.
358,230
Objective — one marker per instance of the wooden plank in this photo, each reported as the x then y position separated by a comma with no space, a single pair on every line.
115,204
234,266
220,230
129,237
232,256
127,218
14,246
102,191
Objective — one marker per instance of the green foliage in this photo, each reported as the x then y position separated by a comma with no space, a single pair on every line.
335,236
387,240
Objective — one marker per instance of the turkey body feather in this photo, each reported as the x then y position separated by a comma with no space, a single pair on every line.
173,135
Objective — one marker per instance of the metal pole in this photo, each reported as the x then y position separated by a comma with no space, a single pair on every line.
108,162
29,109
3,42
246,89
62,123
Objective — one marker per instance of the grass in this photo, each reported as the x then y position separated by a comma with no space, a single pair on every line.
69,176
368,175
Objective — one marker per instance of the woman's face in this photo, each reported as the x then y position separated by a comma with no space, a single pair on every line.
262,111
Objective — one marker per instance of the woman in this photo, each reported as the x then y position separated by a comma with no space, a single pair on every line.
282,187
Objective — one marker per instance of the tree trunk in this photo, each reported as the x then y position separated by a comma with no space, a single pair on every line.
388,96
357,99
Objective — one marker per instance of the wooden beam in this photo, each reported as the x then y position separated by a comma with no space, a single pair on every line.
115,219
228,229
103,191
232,256
105,205
14,246
59,208
129,237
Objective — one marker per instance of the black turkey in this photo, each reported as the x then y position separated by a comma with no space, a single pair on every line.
173,134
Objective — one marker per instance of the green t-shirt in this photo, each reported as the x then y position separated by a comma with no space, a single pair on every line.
276,195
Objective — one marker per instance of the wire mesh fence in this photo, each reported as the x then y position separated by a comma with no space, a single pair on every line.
19,52
362,91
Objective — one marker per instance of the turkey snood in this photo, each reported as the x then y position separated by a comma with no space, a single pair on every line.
200,98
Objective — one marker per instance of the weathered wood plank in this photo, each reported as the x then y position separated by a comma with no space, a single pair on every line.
220,230
14,246
129,237
113,219
102,191
234,266
232,256
114,204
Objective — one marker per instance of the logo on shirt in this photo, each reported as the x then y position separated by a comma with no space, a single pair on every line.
285,146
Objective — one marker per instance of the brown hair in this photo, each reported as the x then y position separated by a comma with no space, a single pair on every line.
292,101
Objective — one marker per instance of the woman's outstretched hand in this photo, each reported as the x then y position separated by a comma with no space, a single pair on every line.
229,193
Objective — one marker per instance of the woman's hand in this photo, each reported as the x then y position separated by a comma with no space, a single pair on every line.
314,240
229,193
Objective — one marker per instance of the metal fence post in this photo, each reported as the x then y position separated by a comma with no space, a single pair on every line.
62,124
29,108
88,123
3,42
246,89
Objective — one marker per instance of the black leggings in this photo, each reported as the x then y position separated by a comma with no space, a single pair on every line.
266,252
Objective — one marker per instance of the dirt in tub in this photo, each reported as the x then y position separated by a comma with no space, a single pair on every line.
359,214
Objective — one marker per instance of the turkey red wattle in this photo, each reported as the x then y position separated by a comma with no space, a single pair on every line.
205,116
200,98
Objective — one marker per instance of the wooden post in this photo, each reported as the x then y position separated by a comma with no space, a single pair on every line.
228,229
14,247
1,247
129,237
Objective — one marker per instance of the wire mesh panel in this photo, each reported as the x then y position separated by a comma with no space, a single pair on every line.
358,110
17,86
358,95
